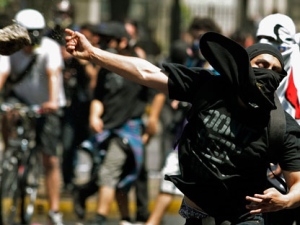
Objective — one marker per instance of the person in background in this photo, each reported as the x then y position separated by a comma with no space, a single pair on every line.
116,119
40,65
63,17
141,184
279,30
80,77
5,20
132,29
198,27
223,150
243,36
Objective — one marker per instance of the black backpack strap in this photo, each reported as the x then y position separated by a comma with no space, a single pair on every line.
277,128
22,75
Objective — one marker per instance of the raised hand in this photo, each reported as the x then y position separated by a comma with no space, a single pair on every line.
77,45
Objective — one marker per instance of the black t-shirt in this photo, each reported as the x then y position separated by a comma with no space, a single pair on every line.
122,99
76,81
223,151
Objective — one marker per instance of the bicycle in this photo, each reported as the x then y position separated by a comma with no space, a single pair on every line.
20,166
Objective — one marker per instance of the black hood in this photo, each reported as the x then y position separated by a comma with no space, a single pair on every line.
255,86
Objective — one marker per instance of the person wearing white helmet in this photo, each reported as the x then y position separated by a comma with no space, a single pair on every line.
36,78
279,30
33,21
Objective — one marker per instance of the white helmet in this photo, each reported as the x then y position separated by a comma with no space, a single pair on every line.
30,19
269,27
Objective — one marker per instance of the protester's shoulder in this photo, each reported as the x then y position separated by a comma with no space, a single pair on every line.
49,42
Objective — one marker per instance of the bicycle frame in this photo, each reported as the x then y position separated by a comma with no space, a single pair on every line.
18,163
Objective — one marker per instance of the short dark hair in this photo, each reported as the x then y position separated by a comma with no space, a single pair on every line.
89,26
204,23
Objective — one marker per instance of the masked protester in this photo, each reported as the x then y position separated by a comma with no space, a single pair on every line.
224,149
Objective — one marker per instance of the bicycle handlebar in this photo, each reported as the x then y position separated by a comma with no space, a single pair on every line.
29,110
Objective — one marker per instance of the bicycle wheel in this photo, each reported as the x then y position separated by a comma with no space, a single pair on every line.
9,188
29,186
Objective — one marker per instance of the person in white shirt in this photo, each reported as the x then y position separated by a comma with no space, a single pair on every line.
41,84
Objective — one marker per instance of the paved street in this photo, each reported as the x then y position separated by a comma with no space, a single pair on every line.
169,219
172,216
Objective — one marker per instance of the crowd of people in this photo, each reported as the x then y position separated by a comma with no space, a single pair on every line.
213,96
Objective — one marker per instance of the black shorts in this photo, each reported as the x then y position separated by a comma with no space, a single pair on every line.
48,132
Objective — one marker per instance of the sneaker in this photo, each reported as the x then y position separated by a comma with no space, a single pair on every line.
79,204
55,218
98,220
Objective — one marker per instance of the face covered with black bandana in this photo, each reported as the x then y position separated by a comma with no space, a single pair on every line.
267,81
267,64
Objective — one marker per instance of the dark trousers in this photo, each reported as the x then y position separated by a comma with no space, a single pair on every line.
249,220
283,217
141,192
75,129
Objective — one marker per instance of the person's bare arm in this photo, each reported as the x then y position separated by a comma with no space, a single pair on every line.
153,118
3,78
96,111
293,182
4,70
53,77
272,200
132,68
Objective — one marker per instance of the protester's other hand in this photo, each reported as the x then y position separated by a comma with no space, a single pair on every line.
270,201
77,44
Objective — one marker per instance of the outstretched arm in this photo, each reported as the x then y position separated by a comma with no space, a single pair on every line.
132,68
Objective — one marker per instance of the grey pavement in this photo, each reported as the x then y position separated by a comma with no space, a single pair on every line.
171,217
